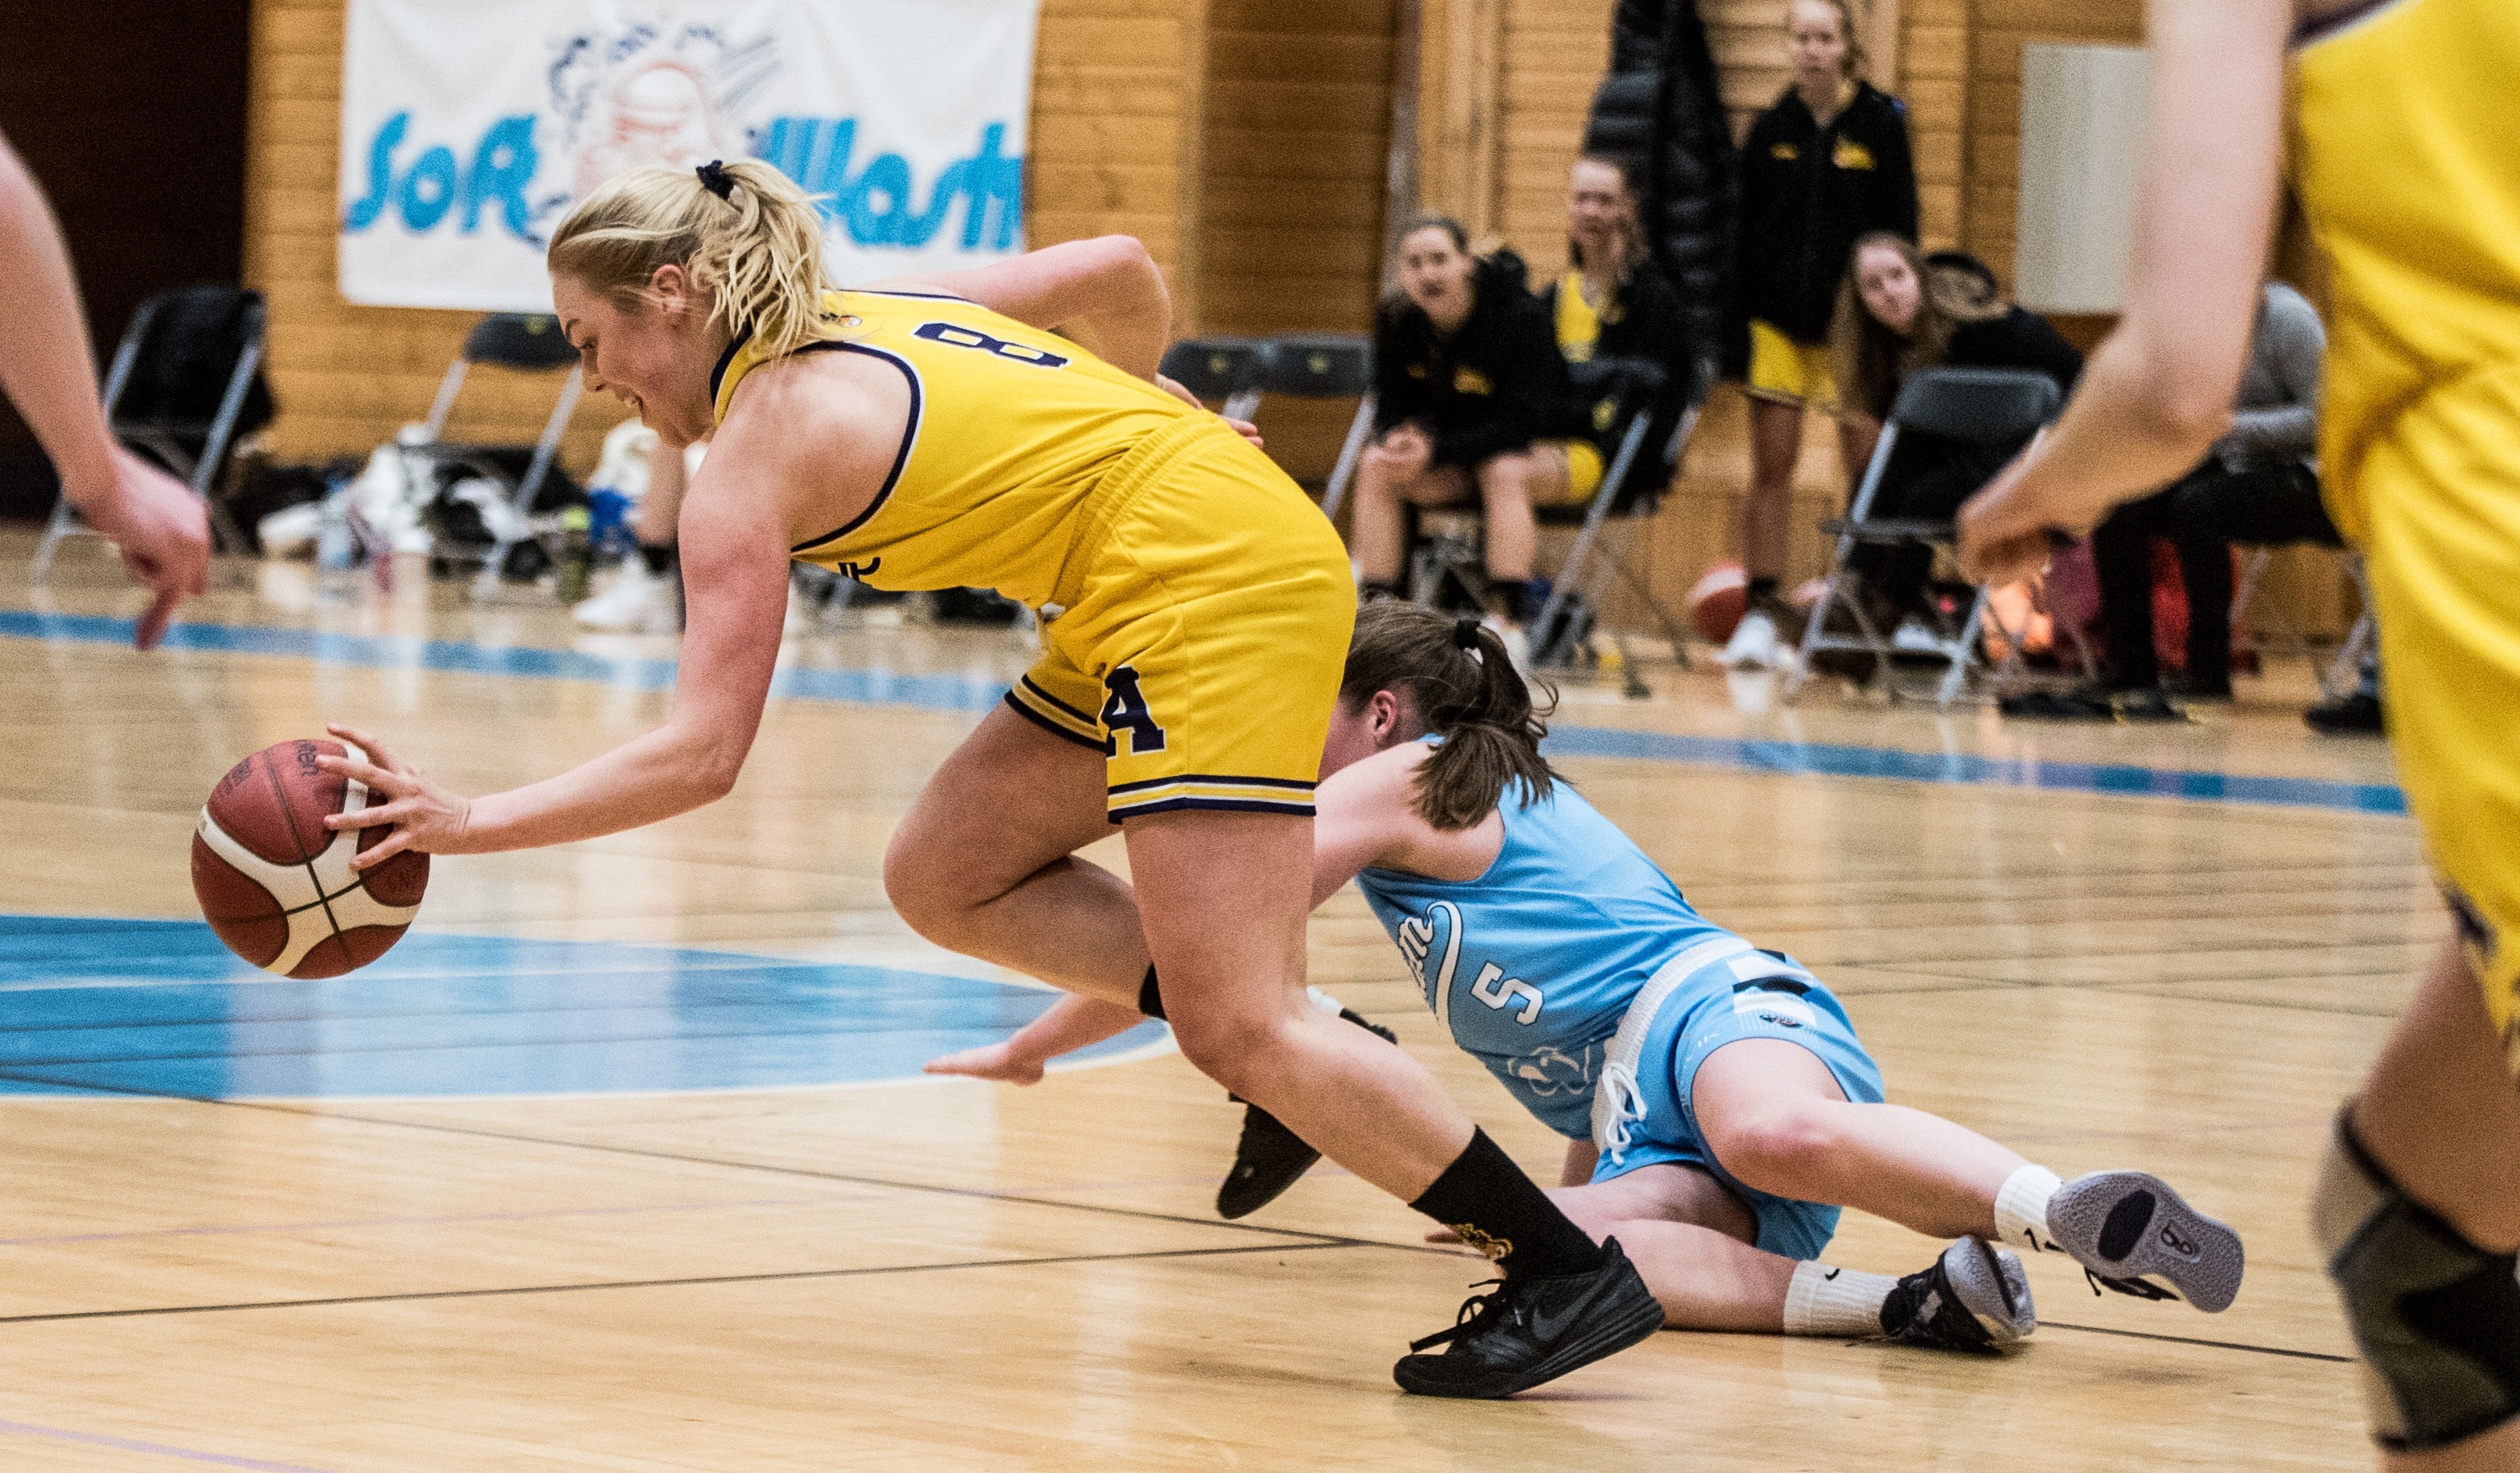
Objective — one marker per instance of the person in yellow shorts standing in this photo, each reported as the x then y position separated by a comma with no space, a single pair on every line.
2408,161
1196,606
1827,163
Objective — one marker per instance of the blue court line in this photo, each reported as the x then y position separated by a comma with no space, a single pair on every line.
943,693
157,1449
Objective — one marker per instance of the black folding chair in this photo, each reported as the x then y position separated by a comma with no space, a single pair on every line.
1636,393
1227,370
185,386
1328,366
528,343
1983,406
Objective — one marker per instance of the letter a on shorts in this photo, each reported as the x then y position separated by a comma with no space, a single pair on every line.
1126,711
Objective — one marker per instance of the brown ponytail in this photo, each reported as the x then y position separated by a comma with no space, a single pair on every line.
1467,692
758,249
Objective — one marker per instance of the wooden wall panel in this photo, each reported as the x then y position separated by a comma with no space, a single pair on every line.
1107,155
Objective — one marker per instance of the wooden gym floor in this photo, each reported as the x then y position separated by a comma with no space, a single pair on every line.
571,1201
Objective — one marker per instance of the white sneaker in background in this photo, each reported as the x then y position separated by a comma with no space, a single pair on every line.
1753,645
1914,636
638,603
1517,645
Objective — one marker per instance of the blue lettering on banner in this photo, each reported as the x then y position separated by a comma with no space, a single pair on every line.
422,195
875,205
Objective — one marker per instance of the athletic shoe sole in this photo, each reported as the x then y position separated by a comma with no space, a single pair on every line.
2129,1224
1991,1286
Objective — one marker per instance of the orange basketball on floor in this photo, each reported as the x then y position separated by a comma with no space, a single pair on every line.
277,885
1717,601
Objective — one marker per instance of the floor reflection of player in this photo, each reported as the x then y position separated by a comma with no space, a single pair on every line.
1716,1105
660,115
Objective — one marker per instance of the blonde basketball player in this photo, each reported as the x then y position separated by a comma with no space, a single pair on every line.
2409,162
1196,606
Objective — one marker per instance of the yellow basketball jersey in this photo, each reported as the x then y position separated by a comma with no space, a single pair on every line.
1011,430
2408,164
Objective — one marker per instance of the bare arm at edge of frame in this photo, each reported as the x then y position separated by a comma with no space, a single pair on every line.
2158,391
48,374
1106,293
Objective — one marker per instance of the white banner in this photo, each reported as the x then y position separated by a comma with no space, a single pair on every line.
468,127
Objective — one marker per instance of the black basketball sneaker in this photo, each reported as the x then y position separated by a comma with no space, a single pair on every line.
1975,1297
1269,1158
1532,1329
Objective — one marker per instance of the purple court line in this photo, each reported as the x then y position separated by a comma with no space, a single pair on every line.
160,1449
478,1217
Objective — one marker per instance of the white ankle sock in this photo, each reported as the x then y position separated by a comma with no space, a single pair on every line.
2021,1208
1827,1301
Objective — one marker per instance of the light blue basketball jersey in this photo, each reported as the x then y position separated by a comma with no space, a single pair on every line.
1531,966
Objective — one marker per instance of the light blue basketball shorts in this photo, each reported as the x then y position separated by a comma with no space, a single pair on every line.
1713,994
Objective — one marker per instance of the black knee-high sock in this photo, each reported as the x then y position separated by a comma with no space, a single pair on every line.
1486,1198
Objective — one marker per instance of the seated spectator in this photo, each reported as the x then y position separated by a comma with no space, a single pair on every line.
1898,315
1612,302
1465,377
2260,484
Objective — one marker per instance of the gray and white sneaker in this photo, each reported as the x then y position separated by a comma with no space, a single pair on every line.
1975,1297
2132,1234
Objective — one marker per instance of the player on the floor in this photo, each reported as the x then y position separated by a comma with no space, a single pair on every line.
155,520
1712,1093
2402,145
1196,609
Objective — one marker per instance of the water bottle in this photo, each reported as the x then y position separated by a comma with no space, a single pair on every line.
575,555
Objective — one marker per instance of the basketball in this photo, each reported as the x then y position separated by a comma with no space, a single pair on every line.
277,885
1717,601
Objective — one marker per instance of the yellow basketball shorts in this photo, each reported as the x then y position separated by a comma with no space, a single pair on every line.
1571,471
1197,638
1787,371
2444,519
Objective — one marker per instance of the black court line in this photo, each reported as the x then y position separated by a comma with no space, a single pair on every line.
2262,1350
982,1194
669,1284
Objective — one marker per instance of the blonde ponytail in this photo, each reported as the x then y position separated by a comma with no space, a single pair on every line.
758,250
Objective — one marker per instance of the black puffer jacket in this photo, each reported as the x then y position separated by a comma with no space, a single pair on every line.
1661,107
1492,386
1807,192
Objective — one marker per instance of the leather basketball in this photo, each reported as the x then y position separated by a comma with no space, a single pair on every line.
277,886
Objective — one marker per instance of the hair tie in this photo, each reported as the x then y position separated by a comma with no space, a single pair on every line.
1465,632
716,180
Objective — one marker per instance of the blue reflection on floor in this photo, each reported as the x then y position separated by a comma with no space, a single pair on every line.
159,1006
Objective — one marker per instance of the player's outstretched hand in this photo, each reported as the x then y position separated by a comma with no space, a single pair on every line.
163,530
2010,526
425,817
995,1061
